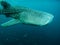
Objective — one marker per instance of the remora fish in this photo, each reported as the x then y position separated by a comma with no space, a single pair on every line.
24,15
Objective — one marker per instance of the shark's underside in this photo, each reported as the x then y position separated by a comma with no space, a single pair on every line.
26,16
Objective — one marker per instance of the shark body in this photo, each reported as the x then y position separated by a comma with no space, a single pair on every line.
25,15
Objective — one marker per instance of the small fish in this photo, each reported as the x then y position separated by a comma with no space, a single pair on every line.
24,15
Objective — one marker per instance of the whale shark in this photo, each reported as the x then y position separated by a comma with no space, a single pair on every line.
24,15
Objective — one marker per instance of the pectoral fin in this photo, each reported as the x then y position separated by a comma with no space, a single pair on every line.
11,22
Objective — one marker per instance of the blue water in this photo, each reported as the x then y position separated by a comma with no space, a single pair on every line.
21,34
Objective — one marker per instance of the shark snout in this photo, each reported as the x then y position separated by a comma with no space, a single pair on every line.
47,18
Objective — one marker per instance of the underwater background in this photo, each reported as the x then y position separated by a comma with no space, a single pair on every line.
22,34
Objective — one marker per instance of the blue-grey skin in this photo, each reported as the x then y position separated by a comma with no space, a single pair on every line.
25,15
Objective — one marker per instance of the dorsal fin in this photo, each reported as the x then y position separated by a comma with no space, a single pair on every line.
6,8
5,4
